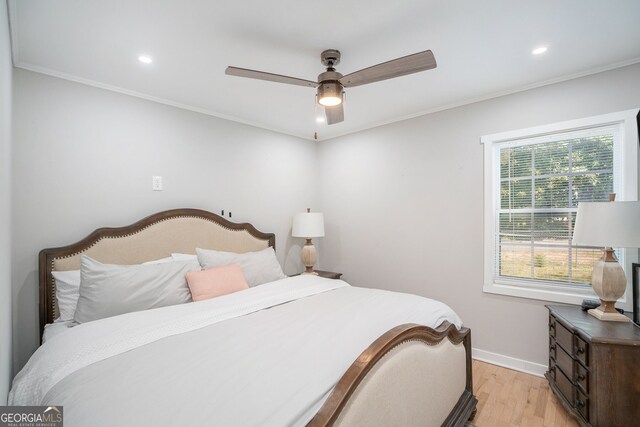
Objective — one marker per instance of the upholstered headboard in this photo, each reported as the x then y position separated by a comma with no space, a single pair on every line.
156,236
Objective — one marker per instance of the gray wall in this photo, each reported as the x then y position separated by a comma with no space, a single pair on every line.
6,71
404,203
83,158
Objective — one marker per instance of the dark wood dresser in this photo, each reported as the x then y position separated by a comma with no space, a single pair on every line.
594,367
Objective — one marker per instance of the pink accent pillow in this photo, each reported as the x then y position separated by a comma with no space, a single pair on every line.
215,282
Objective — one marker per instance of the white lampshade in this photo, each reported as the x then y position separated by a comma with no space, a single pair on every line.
308,225
613,224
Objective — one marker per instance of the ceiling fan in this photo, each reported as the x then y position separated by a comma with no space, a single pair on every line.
330,84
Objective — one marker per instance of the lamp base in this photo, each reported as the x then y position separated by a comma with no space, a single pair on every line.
609,283
312,273
309,257
607,312
608,317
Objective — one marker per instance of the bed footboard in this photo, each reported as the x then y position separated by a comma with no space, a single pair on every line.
410,376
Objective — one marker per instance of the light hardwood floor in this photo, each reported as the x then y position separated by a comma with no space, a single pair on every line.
512,398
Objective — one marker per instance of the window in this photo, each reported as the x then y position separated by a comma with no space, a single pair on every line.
534,180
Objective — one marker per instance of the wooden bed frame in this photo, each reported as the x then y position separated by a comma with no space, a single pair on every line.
411,375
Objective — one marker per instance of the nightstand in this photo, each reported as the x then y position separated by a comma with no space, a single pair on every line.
325,274
593,367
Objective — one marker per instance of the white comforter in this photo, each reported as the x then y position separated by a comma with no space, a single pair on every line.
269,355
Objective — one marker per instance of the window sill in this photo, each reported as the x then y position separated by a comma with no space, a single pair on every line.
550,293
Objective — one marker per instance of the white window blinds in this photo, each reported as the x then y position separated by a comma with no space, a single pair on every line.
541,180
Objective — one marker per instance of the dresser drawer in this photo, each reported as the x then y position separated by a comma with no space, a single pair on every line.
564,362
581,377
582,404
564,384
581,350
564,337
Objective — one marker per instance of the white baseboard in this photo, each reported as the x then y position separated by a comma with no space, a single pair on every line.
509,362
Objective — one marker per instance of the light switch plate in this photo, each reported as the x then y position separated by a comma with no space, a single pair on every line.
156,183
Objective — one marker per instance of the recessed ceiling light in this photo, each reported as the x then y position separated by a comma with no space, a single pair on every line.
539,50
145,59
320,119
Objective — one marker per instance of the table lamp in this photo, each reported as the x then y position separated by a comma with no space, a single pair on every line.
612,224
308,225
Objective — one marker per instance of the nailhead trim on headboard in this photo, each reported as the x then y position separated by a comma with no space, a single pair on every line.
142,229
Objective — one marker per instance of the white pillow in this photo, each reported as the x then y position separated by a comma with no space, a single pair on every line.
159,261
67,293
258,267
68,285
183,257
109,290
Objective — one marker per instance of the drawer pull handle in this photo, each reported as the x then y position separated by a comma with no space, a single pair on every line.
552,347
552,326
580,403
580,350
580,377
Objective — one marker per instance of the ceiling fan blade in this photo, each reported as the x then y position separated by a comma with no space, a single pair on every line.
334,114
410,64
261,75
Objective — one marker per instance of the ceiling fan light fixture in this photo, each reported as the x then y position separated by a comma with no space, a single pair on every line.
330,93
331,101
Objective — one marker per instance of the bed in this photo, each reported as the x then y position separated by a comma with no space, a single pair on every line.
295,351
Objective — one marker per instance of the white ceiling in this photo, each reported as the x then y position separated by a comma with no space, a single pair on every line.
483,50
